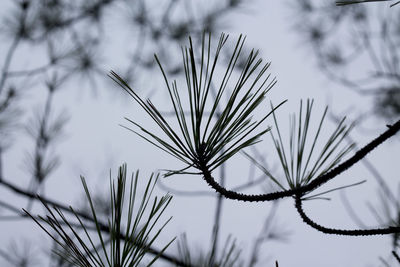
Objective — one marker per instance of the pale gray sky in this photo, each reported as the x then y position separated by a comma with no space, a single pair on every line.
95,143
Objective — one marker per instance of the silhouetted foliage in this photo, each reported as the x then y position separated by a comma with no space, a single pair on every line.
366,60
215,119
63,44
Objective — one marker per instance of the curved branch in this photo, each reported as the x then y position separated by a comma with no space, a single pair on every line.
360,154
353,232
301,190
240,196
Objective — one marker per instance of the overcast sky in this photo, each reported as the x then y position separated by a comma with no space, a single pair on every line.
96,143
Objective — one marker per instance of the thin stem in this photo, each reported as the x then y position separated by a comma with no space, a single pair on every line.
7,62
41,145
396,256
261,238
350,210
220,198
217,218
203,193
1,162
30,72
10,207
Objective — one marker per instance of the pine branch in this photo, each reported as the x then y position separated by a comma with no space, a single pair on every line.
334,231
314,184
104,228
